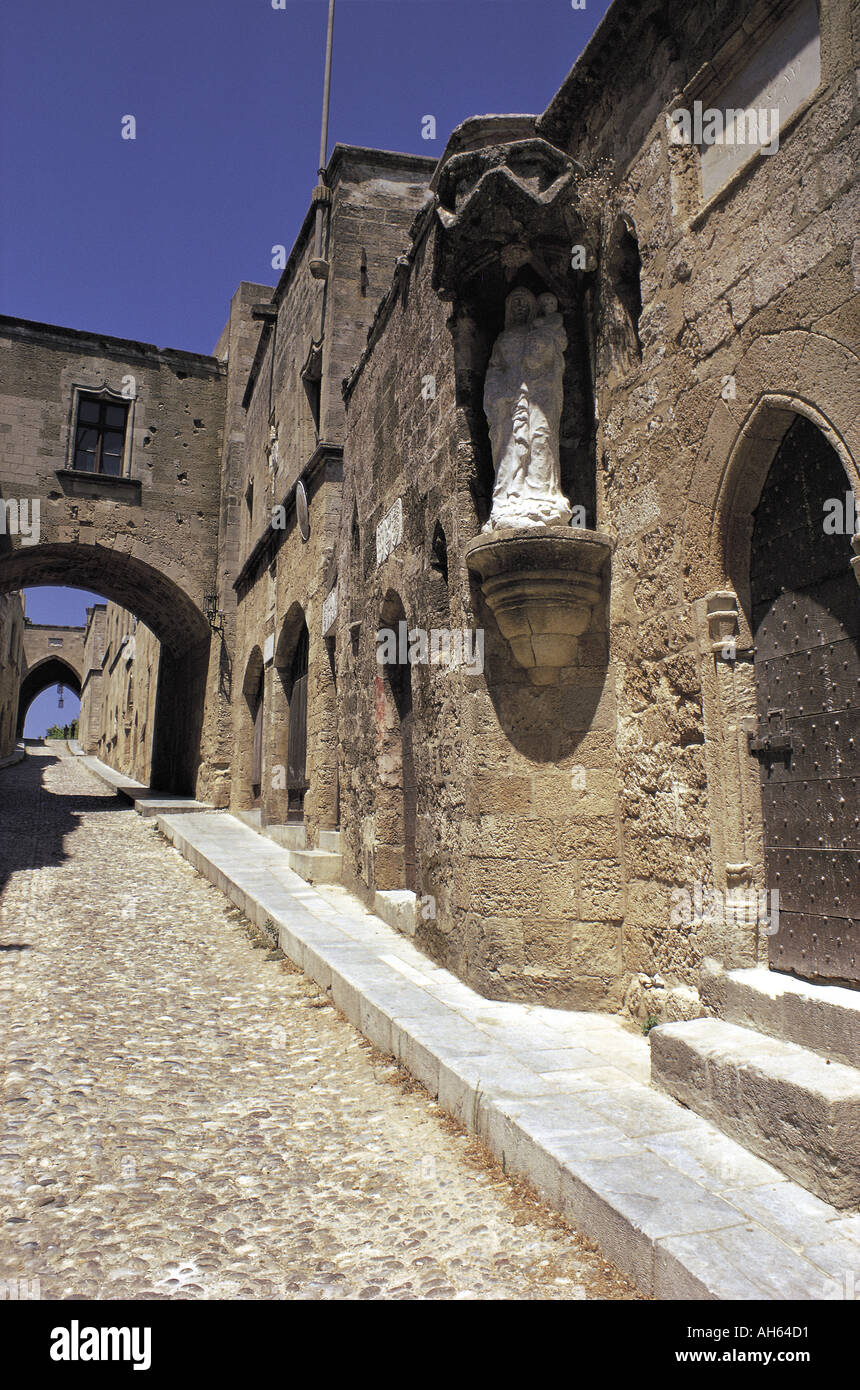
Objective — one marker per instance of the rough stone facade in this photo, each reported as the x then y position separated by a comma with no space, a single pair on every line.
147,537
552,824
284,578
327,473
119,687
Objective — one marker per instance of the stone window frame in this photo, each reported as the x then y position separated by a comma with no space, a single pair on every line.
102,391
688,205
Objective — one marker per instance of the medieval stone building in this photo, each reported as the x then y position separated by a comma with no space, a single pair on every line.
559,754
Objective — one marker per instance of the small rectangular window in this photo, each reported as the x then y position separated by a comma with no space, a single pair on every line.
100,436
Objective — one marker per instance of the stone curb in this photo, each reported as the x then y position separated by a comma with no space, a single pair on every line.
17,757
560,1098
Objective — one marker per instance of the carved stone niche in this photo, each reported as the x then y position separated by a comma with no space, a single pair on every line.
501,194
542,587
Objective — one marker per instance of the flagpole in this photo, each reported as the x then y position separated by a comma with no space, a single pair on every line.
322,194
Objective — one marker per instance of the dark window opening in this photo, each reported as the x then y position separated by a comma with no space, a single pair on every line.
626,272
439,547
311,375
100,436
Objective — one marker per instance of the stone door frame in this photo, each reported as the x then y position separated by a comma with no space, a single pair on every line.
779,377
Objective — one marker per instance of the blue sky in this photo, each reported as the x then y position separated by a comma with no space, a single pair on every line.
149,238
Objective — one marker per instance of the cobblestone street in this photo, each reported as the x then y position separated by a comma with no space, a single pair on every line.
185,1114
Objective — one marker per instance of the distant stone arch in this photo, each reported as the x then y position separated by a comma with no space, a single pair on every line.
166,607
52,670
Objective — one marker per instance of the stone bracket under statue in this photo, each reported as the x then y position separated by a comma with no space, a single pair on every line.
542,586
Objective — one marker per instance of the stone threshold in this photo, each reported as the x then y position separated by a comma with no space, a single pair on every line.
561,1098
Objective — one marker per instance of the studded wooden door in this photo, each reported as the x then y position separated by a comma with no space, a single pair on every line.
806,620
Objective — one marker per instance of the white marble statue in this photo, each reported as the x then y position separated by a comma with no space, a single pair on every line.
523,394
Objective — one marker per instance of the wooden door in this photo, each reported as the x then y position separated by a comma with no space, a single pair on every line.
257,758
806,618
297,746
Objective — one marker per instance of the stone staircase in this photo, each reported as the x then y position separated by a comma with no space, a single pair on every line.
777,1068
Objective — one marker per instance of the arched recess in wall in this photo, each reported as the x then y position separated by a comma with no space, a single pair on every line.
789,377
250,750
621,300
396,801
290,716
355,575
53,670
478,320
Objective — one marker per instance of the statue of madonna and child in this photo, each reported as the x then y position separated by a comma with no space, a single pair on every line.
523,394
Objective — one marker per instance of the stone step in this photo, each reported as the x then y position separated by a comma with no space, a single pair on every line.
783,1102
330,841
400,908
315,865
825,1018
289,836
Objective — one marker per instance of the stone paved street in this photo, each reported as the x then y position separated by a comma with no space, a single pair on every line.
185,1114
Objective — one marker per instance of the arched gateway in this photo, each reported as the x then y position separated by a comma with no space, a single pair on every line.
110,456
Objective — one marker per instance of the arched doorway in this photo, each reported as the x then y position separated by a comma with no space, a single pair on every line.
805,620
167,610
395,855
297,736
250,749
289,721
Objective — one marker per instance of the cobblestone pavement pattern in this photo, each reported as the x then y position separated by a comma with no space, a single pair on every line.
187,1116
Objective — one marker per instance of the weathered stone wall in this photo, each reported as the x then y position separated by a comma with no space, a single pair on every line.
90,718
147,539
284,579
750,296
118,705
554,824
11,662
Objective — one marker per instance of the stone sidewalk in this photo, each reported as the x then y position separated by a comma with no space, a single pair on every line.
561,1098
184,1114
